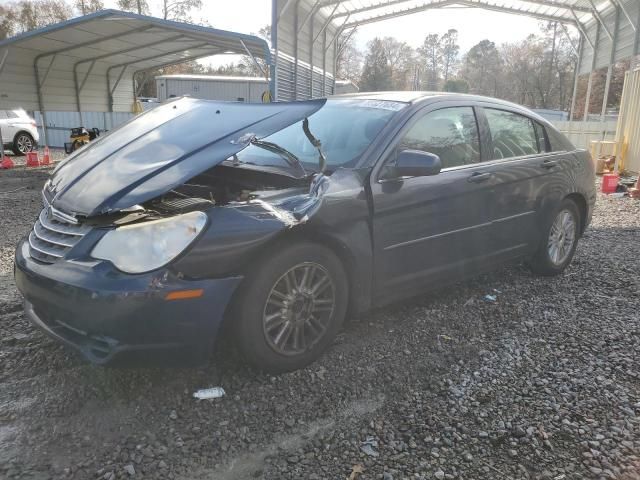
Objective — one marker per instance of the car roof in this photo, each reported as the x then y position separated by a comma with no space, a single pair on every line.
416,97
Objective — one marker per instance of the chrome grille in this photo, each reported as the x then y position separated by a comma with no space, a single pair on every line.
51,238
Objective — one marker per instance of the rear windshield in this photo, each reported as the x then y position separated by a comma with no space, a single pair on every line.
345,127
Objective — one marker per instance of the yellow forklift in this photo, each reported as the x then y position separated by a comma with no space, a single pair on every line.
80,137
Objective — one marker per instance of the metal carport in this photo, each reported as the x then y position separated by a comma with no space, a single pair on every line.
304,33
88,64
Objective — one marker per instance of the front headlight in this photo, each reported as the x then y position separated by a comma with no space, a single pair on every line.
146,246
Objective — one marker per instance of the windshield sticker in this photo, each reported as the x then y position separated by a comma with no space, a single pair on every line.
382,104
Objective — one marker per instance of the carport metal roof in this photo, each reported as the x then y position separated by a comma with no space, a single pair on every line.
85,60
360,12
609,29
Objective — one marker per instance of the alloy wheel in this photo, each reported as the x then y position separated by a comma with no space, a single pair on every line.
561,237
24,144
298,309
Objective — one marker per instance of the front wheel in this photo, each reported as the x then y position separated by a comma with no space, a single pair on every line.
560,241
291,308
23,144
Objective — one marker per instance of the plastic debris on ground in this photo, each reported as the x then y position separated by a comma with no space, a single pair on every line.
369,447
209,393
356,470
490,298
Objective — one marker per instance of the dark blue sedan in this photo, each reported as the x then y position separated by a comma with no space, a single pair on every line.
280,219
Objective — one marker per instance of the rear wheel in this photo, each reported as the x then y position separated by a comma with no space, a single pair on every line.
560,241
23,143
291,308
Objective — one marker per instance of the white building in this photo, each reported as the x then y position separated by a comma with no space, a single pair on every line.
239,89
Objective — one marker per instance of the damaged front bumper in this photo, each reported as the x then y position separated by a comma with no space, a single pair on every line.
115,318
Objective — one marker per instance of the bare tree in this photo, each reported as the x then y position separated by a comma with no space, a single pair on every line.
30,15
7,21
402,61
179,10
349,60
140,7
89,6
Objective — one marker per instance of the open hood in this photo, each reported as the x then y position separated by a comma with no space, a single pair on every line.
163,148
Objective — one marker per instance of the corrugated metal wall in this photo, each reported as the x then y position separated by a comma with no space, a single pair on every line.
582,134
59,124
298,55
626,42
232,90
628,134
58,88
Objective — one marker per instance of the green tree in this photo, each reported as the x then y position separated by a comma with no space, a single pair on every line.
431,53
482,68
450,51
376,73
456,85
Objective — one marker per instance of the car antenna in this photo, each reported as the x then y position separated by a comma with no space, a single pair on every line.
322,160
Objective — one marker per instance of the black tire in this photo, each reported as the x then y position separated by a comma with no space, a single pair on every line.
257,303
23,143
544,261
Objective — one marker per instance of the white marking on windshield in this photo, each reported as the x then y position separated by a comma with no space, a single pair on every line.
382,104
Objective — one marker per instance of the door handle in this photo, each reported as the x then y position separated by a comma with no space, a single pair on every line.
549,164
479,177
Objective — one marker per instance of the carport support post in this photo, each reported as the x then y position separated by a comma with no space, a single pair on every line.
636,43
607,84
296,14
575,79
311,25
40,102
593,66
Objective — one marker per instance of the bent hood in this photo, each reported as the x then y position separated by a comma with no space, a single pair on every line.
163,148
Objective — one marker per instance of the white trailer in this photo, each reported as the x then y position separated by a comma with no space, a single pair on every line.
238,89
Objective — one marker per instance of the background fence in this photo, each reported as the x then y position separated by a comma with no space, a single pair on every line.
59,124
582,134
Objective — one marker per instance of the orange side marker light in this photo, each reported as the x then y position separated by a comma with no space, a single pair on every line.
184,294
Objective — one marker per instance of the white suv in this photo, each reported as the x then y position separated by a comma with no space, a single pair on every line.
19,132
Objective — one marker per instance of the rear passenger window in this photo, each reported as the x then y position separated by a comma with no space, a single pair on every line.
3,115
450,133
541,137
558,142
513,135
11,114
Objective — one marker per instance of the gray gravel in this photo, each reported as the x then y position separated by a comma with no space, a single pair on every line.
542,383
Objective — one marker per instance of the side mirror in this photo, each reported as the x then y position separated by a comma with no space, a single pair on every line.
416,163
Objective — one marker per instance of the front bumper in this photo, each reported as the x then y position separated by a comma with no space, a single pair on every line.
117,318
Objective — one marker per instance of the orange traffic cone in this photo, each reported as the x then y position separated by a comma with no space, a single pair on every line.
6,162
32,159
46,158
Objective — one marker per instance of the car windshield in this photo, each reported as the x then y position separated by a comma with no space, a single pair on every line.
345,127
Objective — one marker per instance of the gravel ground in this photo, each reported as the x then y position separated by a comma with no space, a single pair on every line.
542,383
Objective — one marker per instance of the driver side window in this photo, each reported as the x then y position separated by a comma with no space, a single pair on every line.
450,133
